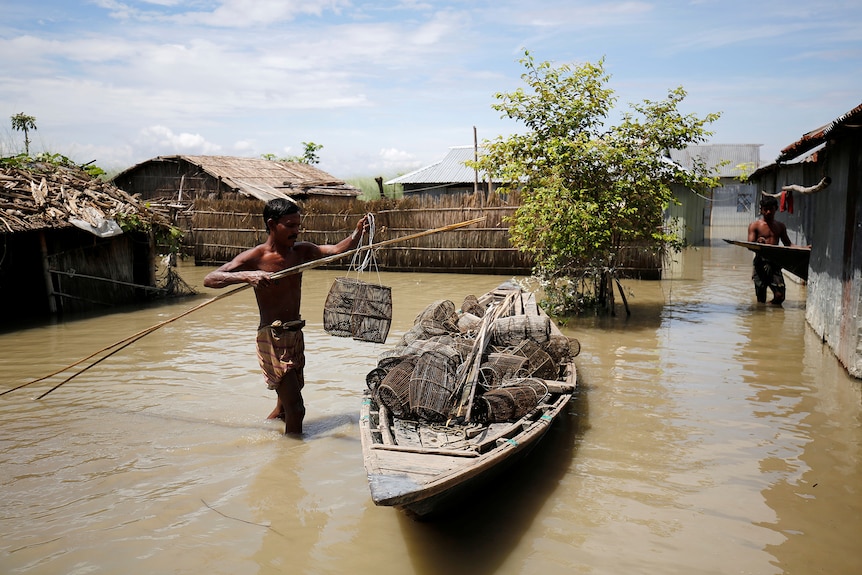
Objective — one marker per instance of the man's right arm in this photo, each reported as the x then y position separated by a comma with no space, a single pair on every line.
240,270
752,232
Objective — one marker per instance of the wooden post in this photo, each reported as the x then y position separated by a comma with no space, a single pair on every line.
475,159
46,271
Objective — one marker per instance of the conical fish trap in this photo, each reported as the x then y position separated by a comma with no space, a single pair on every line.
464,346
505,403
440,313
558,348
394,390
374,377
534,383
429,346
472,306
372,313
432,386
426,329
510,331
539,362
500,366
338,307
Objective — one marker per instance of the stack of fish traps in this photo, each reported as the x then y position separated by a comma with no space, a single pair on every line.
420,378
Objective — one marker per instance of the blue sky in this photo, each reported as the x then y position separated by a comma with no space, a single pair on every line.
389,86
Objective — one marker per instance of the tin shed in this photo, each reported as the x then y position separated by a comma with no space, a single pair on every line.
820,177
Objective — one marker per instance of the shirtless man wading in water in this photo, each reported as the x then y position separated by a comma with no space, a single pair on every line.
280,344
768,230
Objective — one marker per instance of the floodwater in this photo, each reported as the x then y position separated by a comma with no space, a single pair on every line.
710,435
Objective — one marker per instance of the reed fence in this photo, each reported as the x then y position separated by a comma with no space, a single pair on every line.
221,229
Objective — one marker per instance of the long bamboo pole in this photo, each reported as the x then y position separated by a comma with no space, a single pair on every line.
123,343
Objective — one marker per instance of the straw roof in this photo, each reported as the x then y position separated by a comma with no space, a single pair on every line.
260,178
38,195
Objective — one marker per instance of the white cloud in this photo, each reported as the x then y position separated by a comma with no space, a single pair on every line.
246,13
133,79
163,138
392,160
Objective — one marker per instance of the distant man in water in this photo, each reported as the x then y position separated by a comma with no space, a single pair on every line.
768,230
280,344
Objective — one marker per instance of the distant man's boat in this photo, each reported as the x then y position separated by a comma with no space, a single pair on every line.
462,396
792,258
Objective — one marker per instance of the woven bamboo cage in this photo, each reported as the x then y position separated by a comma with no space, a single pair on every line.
394,389
375,377
512,330
433,384
472,306
440,312
512,400
500,366
358,309
539,362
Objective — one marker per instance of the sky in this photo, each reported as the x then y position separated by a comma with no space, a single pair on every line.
386,86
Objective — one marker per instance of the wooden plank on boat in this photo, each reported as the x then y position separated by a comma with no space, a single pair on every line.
428,451
530,305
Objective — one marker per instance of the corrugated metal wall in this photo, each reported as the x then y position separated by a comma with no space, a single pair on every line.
831,222
733,207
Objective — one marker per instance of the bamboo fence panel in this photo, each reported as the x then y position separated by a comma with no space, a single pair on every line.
221,229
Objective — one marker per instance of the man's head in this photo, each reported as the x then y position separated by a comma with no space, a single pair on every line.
277,208
768,203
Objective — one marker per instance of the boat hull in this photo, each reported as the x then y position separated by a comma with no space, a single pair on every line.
425,468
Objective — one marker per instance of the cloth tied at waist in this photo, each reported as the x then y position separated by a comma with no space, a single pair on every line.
281,326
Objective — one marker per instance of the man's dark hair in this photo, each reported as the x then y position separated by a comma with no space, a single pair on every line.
768,202
278,207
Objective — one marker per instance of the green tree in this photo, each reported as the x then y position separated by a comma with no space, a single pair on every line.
588,188
24,123
309,155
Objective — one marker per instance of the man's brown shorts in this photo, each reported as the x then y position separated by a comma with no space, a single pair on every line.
281,348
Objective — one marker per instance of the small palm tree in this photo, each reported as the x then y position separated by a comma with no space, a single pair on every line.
24,123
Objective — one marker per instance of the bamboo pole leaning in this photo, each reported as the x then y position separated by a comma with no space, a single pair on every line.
125,342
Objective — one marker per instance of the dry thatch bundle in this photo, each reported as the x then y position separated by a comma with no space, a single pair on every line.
37,195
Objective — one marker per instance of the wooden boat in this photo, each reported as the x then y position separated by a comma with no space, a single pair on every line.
444,413
791,258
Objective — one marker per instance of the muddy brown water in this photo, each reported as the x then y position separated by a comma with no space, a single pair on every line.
711,435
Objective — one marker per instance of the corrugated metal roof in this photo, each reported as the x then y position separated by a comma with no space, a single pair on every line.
263,179
452,168
712,155
816,137
806,148
449,170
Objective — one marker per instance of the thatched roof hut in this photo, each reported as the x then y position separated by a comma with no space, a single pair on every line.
217,200
63,247
179,178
